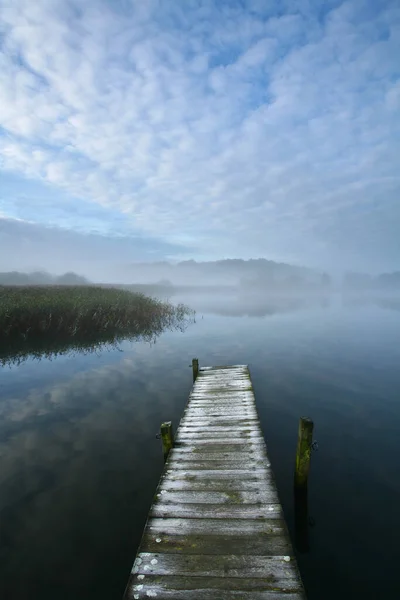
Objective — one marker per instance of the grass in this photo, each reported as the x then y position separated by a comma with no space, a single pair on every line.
53,319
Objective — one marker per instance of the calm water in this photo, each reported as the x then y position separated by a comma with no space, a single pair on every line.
80,461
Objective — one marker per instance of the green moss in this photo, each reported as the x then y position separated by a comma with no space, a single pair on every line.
233,497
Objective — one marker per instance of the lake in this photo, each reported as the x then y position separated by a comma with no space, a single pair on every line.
80,460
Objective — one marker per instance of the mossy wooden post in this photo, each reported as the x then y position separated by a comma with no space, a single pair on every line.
303,454
167,437
195,365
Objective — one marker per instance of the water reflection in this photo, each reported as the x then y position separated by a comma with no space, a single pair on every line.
80,462
14,351
67,452
301,520
382,301
253,305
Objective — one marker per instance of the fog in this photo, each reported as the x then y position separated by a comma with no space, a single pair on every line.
29,248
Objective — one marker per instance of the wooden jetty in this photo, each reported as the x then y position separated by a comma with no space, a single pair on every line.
216,529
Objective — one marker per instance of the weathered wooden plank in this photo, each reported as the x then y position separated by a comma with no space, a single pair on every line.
223,367
221,448
220,497
254,544
223,389
203,382
208,435
272,568
216,511
215,440
230,474
169,592
225,376
228,419
218,465
156,583
180,454
216,411
253,483
219,428
226,458
236,407
236,382
215,526
223,402
220,388
223,394
253,437
237,404
221,372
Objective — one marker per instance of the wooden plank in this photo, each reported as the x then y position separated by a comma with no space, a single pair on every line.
223,367
179,454
252,427
221,387
228,419
221,457
254,544
198,433
273,568
190,526
216,529
216,511
198,438
223,402
237,395
218,440
221,448
222,464
216,411
218,497
230,474
169,592
217,485
237,383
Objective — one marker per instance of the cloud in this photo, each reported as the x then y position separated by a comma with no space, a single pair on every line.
241,127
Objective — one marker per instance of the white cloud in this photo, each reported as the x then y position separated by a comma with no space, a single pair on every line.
242,128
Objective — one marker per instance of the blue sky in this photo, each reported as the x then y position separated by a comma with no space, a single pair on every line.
148,130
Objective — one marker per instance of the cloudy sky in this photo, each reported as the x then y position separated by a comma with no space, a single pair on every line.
148,129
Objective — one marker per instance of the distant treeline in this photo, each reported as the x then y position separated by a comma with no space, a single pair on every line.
224,275
229,272
41,278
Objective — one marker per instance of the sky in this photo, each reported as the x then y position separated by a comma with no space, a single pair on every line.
135,130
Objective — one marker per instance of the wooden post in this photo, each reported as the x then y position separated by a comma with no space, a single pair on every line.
303,454
167,437
195,365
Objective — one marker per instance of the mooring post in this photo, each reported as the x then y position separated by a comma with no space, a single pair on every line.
303,454
195,365
167,437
